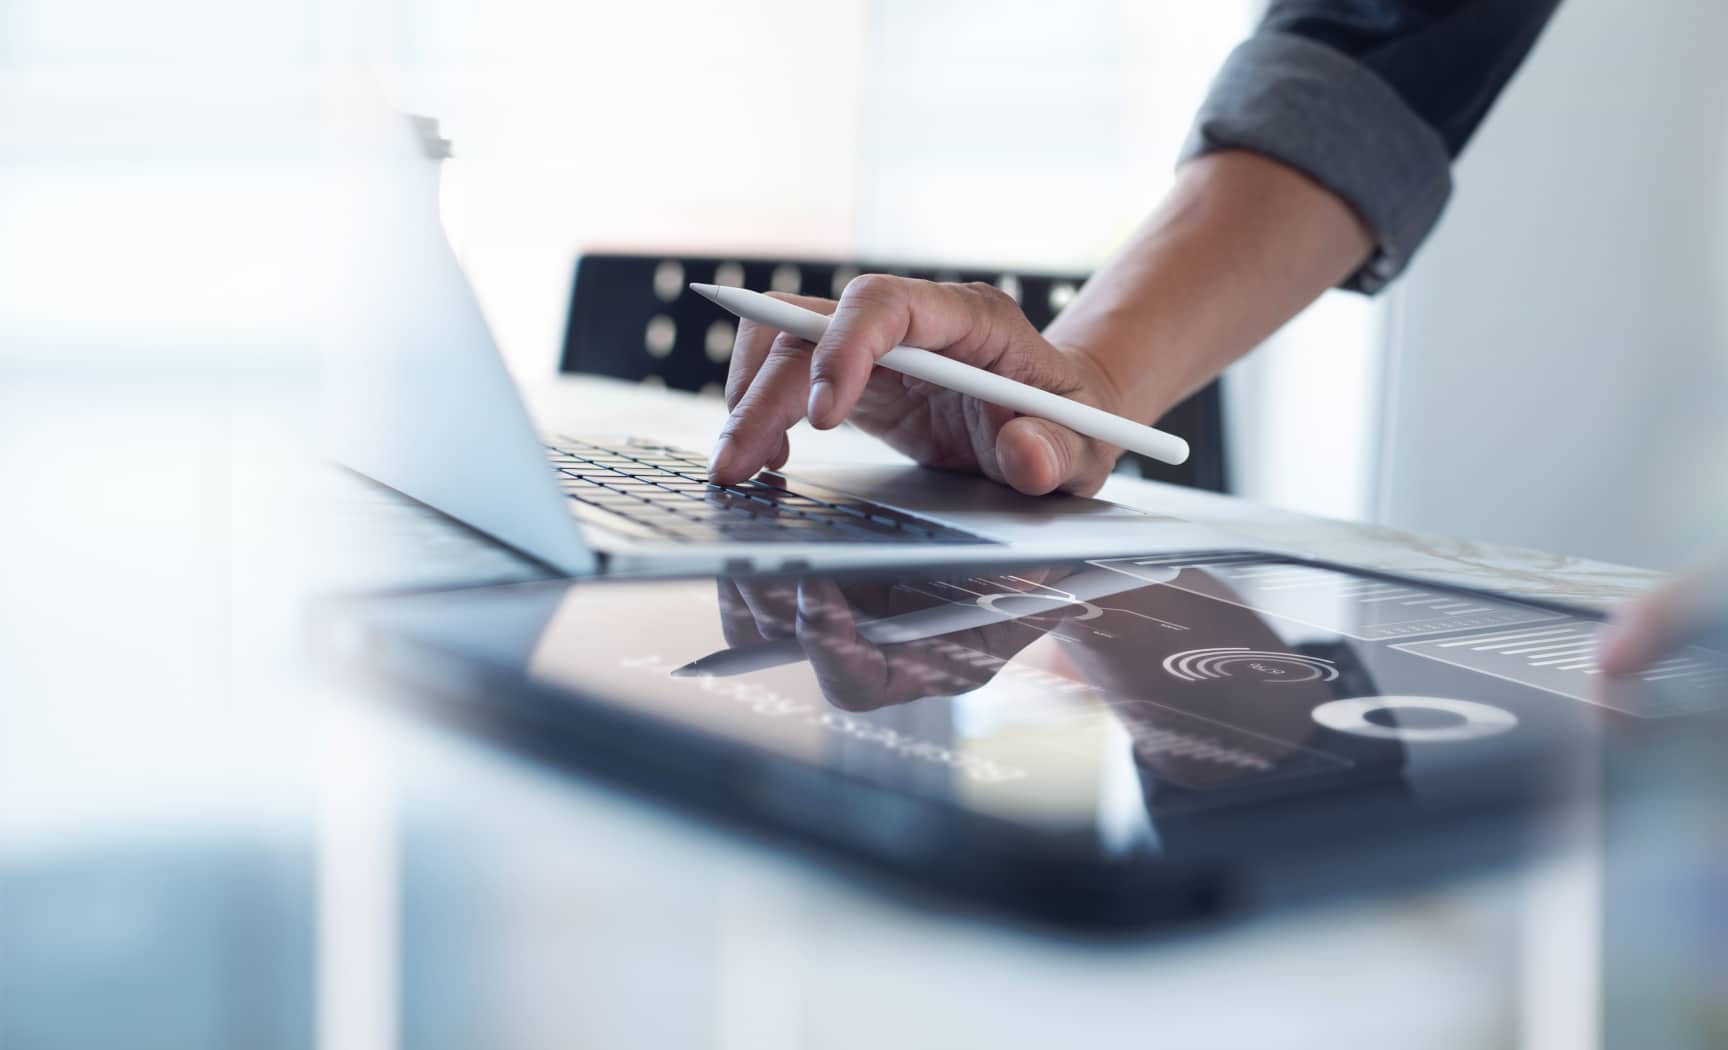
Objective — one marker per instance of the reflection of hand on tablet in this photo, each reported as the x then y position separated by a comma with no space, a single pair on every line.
871,644
758,617
1167,744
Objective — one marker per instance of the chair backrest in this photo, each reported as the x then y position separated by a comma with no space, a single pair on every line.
631,319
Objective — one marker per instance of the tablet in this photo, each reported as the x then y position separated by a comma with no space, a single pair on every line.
1109,742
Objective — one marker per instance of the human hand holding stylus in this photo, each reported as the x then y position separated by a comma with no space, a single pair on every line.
778,378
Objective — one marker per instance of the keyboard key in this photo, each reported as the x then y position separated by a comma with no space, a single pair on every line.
666,492
661,460
608,499
607,504
619,481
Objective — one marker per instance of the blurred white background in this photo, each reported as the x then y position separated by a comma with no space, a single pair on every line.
1547,375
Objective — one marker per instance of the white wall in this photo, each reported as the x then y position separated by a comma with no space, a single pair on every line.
1559,355
1009,132
652,125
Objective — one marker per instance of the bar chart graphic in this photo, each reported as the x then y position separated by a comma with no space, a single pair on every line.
1560,658
1355,606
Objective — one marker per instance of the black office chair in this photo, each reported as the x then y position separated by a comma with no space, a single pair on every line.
632,318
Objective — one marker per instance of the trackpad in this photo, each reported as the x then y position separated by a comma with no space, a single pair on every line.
978,504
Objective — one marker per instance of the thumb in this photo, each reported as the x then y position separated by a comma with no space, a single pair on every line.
1038,456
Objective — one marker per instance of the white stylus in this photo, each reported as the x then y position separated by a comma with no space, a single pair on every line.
961,377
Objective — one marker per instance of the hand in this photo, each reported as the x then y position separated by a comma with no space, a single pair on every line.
777,379
1686,610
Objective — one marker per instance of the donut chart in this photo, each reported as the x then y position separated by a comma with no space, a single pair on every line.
1033,604
1376,717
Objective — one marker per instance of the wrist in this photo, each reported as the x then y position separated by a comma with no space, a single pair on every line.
1127,383
1240,245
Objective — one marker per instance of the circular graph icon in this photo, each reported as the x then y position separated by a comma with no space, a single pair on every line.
1421,719
1029,605
1199,665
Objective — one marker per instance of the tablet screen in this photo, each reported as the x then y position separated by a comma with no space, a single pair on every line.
1108,694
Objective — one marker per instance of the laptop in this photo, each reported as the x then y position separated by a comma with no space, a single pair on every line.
419,399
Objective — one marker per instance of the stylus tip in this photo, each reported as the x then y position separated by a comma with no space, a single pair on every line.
707,291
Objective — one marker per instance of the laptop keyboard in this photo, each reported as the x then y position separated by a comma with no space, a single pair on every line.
665,493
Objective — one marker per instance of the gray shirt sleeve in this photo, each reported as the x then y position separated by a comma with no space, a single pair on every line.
1372,99
1328,116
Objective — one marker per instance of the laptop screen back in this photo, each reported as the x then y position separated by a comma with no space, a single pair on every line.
416,394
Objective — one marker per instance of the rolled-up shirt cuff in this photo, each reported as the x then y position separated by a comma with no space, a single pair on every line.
1326,115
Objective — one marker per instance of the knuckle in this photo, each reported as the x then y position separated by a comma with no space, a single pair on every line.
787,346
825,370
875,287
733,426
830,363
750,404
749,334
737,382
995,299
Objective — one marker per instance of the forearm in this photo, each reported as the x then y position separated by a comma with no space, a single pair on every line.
1241,245
1321,156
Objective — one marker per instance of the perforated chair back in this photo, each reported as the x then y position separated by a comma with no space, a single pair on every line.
631,318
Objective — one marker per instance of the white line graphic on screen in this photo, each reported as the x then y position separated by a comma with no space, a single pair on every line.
1358,607
1562,659
1200,665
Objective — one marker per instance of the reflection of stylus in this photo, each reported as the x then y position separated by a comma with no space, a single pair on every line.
989,609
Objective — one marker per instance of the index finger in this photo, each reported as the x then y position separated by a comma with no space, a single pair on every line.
751,344
877,312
